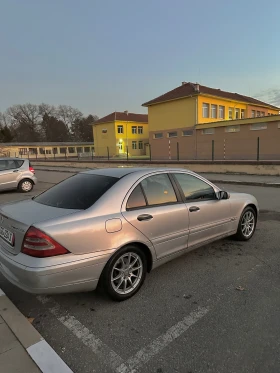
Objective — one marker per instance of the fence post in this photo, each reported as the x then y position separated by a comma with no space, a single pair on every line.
36,154
92,154
108,153
178,153
258,149
213,150
127,153
150,152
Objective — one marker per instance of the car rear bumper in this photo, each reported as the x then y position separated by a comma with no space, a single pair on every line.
77,276
34,179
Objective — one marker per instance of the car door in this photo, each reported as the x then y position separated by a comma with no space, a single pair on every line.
210,218
155,209
8,174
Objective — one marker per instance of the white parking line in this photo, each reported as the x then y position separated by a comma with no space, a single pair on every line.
146,353
104,353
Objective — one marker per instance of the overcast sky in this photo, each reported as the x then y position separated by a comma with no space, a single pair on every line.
107,55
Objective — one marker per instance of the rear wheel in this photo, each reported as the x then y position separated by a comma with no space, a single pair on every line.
247,224
25,186
125,273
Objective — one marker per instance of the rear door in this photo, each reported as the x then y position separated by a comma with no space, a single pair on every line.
9,173
210,218
155,209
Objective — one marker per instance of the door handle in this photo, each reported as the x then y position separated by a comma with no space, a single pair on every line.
194,209
15,171
144,217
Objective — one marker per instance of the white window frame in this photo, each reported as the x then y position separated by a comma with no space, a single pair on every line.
158,137
140,147
140,130
134,130
120,128
222,110
242,114
187,135
236,111
171,133
258,126
205,107
134,145
233,129
253,114
208,131
214,111
230,111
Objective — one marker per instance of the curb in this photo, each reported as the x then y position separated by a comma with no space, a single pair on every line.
37,348
232,182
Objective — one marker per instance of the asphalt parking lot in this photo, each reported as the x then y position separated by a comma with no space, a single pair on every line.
215,309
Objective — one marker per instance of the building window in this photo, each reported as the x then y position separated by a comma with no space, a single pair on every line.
242,113
54,150
205,110
213,111
79,149
158,135
134,130
230,113
172,134
208,131
22,151
87,149
32,151
41,150
258,113
62,150
237,113
221,112
278,125
71,149
187,133
48,151
104,130
134,145
262,113
258,126
232,128
120,129
140,145
140,130
253,114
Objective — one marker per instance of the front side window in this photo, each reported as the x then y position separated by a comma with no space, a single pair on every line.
134,130
194,188
120,129
205,110
213,111
158,190
78,192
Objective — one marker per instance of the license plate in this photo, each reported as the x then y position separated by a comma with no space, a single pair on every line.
7,236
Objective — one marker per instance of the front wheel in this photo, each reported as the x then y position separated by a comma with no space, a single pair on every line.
247,224
125,273
25,186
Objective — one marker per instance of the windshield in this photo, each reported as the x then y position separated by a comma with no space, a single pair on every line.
78,192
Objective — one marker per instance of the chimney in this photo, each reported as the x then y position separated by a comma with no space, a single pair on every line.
183,83
196,87
126,112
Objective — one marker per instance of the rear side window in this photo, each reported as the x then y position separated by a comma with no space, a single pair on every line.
19,163
10,164
136,199
79,192
158,190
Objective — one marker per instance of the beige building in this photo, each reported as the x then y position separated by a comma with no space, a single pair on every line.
120,133
34,150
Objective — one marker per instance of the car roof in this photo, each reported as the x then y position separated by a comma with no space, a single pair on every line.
120,172
12,159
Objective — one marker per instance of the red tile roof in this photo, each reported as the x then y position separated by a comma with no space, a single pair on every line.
189,89
125,117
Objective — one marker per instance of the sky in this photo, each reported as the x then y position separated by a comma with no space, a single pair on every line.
107,55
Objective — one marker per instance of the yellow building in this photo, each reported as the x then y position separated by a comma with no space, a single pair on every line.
119,133
191,104
37,150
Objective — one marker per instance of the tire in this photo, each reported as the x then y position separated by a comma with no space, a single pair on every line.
117,268
25,186
245,230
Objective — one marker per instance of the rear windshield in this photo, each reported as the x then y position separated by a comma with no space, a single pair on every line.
79,192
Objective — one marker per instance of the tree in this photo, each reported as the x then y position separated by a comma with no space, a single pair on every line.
82,130
54,130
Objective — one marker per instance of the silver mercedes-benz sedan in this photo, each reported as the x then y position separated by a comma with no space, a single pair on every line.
109,227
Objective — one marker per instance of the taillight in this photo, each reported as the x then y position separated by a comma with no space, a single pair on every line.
37,243
31,169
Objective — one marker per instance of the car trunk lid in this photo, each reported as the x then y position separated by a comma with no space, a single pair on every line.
16,218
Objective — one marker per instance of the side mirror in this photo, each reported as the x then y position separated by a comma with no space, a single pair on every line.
222,195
